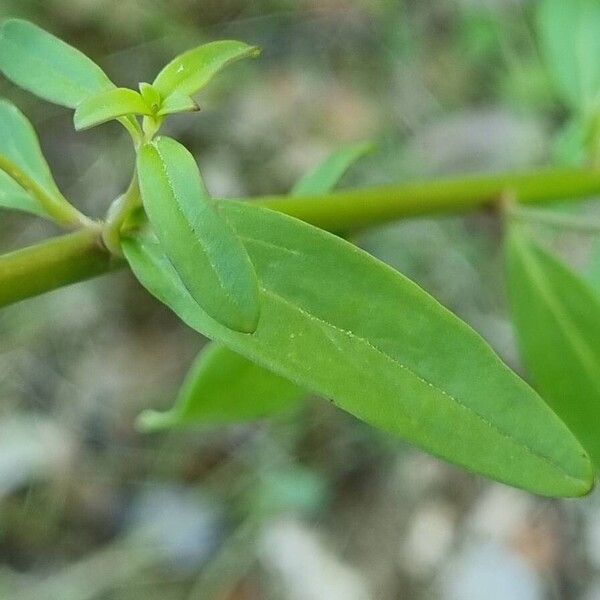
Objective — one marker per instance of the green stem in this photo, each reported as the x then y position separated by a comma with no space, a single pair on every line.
59,209
53,264
82,255
357,208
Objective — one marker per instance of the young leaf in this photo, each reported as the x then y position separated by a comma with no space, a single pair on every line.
177,103
328,173
557,317
190,72
203,248
340,323
19,143
248,387
109,105
570,43
48,67
151,96
223,387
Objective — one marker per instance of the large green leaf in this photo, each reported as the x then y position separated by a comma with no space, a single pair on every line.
568,32
109,105
557,316
224,387
19,143
188,73
48,67
228,386
342,324
202,246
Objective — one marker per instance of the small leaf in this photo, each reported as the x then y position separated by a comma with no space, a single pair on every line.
190,72
340,323
109,105
203,248
19,143
151,96
557,317
48,67
177,103
326,175
570,43
14,197
224,387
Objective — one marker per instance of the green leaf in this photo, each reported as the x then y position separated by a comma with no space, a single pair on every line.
202,246
109,105
190,72
568,33
344,325
594,266
240,386
48,67
177,103
224,387
327,174
14,197
151,96
19,143
557,317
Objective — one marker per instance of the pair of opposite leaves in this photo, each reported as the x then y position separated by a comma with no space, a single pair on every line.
337,322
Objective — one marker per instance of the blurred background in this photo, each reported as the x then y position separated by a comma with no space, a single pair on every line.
313,505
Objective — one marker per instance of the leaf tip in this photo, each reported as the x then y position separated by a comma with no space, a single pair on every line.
150,421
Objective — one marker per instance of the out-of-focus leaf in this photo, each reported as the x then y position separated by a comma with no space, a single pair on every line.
568,33
594,267
571,143
109,105
340,323
224,387
189,72
19,143
557,317
48,67
210,259
327,174
222,378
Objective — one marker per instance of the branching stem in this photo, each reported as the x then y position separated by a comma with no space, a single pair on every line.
86,254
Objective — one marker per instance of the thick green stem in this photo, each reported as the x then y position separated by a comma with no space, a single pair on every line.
351,209
83,255
53,264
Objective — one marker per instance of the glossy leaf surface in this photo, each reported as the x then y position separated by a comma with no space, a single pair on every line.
224,387
210,259
188,73
48,67
340,323
570,43
19,143
557,317
109,105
